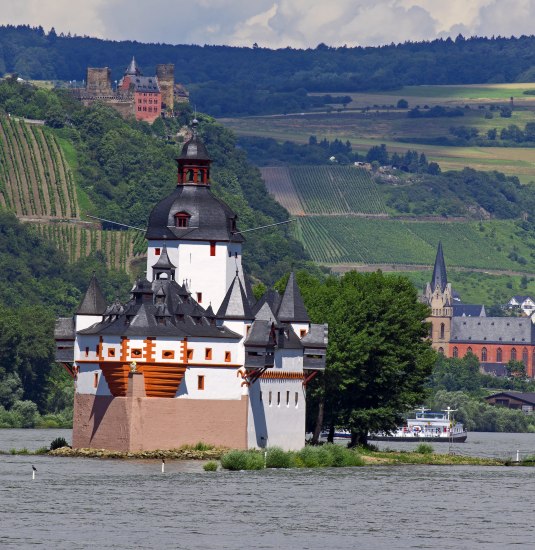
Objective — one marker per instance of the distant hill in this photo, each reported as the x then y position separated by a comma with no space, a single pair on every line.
235,81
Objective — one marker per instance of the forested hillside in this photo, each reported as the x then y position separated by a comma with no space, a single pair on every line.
123,167
228,80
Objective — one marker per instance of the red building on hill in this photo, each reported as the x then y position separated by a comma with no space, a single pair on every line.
146,90
458,329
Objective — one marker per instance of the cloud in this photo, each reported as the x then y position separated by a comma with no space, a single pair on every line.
276,23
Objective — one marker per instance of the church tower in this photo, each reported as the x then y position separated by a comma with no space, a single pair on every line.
438,295
197,231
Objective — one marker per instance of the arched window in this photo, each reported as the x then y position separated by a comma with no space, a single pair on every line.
189,175
483,354
499,355
469,350
525,356
182,219
442,327
456,352
441,351
513,354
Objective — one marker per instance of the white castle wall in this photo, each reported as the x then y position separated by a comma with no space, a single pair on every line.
209,275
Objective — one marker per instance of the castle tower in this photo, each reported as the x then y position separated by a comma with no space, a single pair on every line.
438,295
197,230
165,73
98,81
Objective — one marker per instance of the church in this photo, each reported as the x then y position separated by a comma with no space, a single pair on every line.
192,356
458,329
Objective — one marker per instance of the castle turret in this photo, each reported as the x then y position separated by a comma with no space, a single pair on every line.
92,307
197,230
166,79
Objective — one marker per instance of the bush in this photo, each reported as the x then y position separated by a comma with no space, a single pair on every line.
210,466
277,458
242,460
424,449
58,443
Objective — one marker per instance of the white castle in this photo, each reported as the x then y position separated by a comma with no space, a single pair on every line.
192,356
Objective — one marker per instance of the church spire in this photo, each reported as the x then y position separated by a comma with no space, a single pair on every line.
440,277
133,69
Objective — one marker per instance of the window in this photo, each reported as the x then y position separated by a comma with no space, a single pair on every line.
455,351
136,353
97,349
441,351
95,380
483,354
525,356
111,352
208,354
260,395
168,354
278,398
189,354
499,355
302,333
157,251
199,297
296,398
139,108
87,352
287,398
228,357
442,330
212,248
270,399
247,329
182,219
513,354
200,382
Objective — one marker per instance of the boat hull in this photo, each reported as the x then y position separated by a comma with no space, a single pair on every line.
458,438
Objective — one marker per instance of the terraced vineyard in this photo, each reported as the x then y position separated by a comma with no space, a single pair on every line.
279,184
38,185
119,247
324,190
35,179
349,239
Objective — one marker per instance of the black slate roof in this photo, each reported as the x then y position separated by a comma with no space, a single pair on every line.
498,330
133,69
260,334
163,261
93,302
272,298
440,277
194,148
316,337
527,397
145,84
64,329
235,304
469,310
161,309
211,219
292,308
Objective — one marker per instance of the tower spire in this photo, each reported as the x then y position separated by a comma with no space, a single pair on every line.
440,277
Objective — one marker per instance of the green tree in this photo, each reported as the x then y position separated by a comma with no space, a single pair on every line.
516,369
378,357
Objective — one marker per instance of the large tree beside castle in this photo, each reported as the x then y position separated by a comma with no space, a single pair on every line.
378,358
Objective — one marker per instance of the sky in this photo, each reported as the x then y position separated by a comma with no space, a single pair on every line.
275,23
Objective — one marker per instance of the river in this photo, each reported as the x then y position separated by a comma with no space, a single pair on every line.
91,503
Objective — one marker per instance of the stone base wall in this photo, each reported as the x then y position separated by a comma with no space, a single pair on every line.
150,423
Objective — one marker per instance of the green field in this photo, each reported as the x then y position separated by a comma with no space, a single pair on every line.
399,132
353,240
446,95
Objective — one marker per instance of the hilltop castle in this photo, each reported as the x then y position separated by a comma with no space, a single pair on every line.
145,97
191,356
458,329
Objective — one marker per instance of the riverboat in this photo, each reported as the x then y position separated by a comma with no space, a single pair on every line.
426,426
